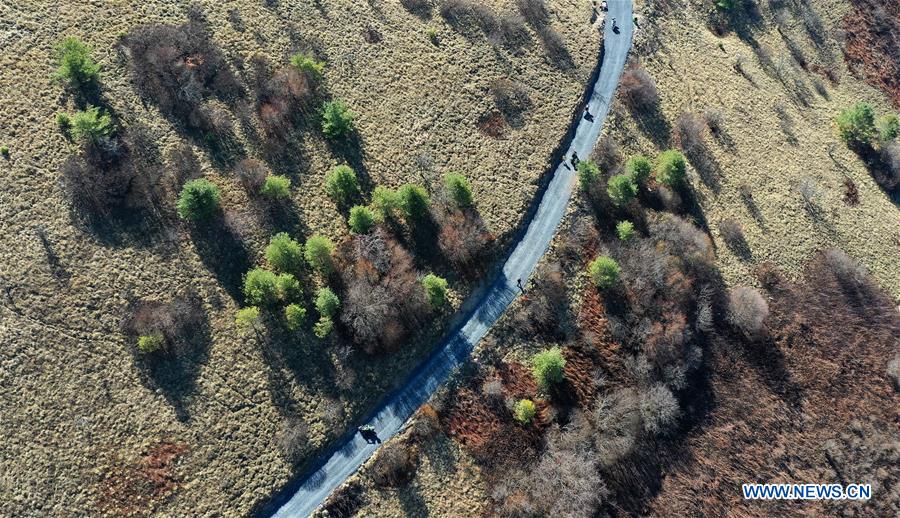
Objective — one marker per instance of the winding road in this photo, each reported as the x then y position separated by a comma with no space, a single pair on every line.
485,307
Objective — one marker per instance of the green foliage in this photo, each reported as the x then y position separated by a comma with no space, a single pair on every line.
414,201
625,230
284,254
64,122
588,174
361,220
604,271
621,189
199,200
639,168
888,127
725,5
76,67
856,125
317,252
547,367
385,201
323,327
261,287
433,36
288,287
294,315
458,188
337,119
671,168
4,151
327,303
276,187
150,343
308,64
91,125
341,184
524,411
435,290
246,319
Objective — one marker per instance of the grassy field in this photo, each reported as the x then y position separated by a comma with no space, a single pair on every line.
88,426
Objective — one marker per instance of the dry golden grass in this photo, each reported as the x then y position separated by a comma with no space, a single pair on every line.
75,404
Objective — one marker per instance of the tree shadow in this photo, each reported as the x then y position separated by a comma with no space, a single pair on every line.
653,124
223,252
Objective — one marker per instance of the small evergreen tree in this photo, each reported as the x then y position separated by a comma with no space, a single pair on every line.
621,189
294,315
639,168
856,125
625,230
288,287
337,119
323,327
76,67
361,220
261,287
284,254
888,127
341,184
246,319
414,201
604,272
318,252
91,125
385,201
435,290
588,174
199,200
524,411
308,64
150,343
458,188
548,366
327,303
276,187
671,168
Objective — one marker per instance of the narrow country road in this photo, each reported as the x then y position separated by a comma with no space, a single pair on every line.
303,497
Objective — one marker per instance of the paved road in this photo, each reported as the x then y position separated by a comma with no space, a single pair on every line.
487,305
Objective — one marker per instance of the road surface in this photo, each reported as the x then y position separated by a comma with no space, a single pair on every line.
303,497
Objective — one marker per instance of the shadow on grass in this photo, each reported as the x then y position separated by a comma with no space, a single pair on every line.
223,252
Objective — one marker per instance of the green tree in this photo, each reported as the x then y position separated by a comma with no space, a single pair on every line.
91,125
199,200
639,168
327,303
435,290
246,319
261,287
604,271
288,287
284,254
76,67
671,168
323,327
458,188
856,125
308,64
385,201
341,184
625,230
548,366
361,219
276,187
294,315
888,127
414,201
337,119
524,411
318,252
588,174
621,189
150,343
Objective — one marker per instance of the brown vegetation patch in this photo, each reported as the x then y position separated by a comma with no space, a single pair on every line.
138,487
595,330
492,124
518,382
581,370
873,43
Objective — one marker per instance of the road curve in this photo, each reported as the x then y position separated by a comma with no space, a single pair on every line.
303,497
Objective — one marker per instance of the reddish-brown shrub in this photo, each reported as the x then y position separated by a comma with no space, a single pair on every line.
638,89
464,240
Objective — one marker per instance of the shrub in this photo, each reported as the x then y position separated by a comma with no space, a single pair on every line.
689,132
588,174
341,184
463,239
621,189
458,188
638,89
318,252
4,151
414,201
395,465
524,411
260,287
361,219
327,303
604,272
252,174
276,187
91,125
671,168
288,287
625,230
856,125
639,168
308,64
284,254
337,119
64,123
607,154
888,127
247,318
659,409
385,201
747,310
323,327
199,200
435,290
548,366
150,343
294,315
733,234
76,66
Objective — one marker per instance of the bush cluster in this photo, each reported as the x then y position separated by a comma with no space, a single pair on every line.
671,168
337,119
361,220
76,66
588,174
524,411
317,251
199,200
548,366
276,187
341,185
435,290
284,254
604,272
621,189
458,188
